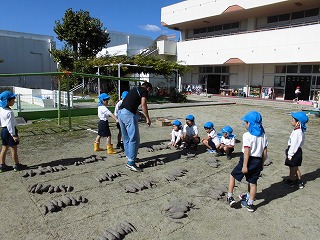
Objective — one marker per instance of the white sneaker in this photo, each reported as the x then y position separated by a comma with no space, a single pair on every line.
133,168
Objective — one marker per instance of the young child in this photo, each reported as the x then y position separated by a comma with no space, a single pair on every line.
227,142
9,132
190,133
212,142
103,125
297,93
250,165
116,109
294,151
176,134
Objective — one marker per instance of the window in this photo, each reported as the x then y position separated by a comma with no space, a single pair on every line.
281,69
218,28
284,17
297,15
316,68
306,69
217,69
196,31
312,12
235,25
272,19
210,29
226,26
224,69
209,69
202,69
279,81
292,69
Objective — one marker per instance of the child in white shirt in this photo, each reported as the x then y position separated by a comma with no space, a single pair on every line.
212,141
176,134
190,133
227,142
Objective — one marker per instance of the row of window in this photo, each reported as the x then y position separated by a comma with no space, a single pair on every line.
295,15
221,69
217,28
297,69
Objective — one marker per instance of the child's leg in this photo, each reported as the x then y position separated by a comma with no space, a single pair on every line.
252,189
108,140
98,139
3,154
231,185
293,173
14,154
205,142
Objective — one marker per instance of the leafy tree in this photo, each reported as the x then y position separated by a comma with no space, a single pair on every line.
83,37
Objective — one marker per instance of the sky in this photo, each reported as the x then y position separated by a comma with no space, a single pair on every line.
141,17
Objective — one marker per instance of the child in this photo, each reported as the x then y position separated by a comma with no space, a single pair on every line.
294,151
227,142
250,165
297,93
212,141
9,132
116,109
190,133
176,134
103,125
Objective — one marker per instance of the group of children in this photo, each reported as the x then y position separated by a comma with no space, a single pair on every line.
254,150
187,136
250,165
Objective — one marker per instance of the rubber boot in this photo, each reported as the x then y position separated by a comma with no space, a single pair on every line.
96,147
110,149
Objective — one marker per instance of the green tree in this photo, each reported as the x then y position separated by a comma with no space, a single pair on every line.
83,37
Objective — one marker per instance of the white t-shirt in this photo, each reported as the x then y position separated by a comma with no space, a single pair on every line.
228,141
176,135
214,137
256,144
116,109
296,140
191,131
8,120
103,113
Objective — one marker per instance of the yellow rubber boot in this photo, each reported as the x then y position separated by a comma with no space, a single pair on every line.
110,149
96,147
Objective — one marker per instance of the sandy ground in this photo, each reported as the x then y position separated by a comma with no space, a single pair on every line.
282,212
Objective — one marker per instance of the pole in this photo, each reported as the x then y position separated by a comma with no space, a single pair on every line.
119,73
68,96
99,81
59,101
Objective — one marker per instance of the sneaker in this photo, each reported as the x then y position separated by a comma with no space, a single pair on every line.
229,157
243,196
218,154
133,168
289,182
183,145
19,167
212,151
4,168
245,204
300,184
231,201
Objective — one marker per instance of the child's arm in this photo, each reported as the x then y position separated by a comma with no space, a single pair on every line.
246,156
114,117
264,154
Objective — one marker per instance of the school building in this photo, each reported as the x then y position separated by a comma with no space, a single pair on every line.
248,47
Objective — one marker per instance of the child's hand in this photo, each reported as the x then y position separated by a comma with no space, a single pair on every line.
16,139
244,170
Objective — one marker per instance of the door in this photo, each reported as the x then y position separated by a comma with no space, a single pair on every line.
213,84
291,84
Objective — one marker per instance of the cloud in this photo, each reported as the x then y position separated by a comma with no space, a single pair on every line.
151,28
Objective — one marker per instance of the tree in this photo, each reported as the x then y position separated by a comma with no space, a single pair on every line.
83,37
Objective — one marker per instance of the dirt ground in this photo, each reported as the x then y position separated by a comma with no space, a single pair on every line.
282,212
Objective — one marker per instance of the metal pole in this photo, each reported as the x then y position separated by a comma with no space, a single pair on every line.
99,80
68,96
119,73
59,101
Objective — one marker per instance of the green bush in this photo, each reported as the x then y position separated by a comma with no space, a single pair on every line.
177,97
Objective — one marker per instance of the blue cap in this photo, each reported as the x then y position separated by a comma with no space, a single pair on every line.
255,123
190,117
177,123
4,96
302,118
208,125
227,129
124,94
102,97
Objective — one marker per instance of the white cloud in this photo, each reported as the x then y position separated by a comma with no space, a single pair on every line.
151,28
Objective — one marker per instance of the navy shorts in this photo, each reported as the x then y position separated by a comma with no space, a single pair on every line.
103,129
296,159
7,139
255,167
212,145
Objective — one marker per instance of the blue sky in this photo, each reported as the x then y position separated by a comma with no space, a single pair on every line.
142,17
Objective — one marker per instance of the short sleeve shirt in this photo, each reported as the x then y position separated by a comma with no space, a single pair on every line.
227,141
191,131
256,144
103,113
214,137
133,99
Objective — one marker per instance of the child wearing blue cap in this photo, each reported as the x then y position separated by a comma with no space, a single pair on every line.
116,109
227,142
212,142
294,151
176,134
190,133
250,165
103,125
9,132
